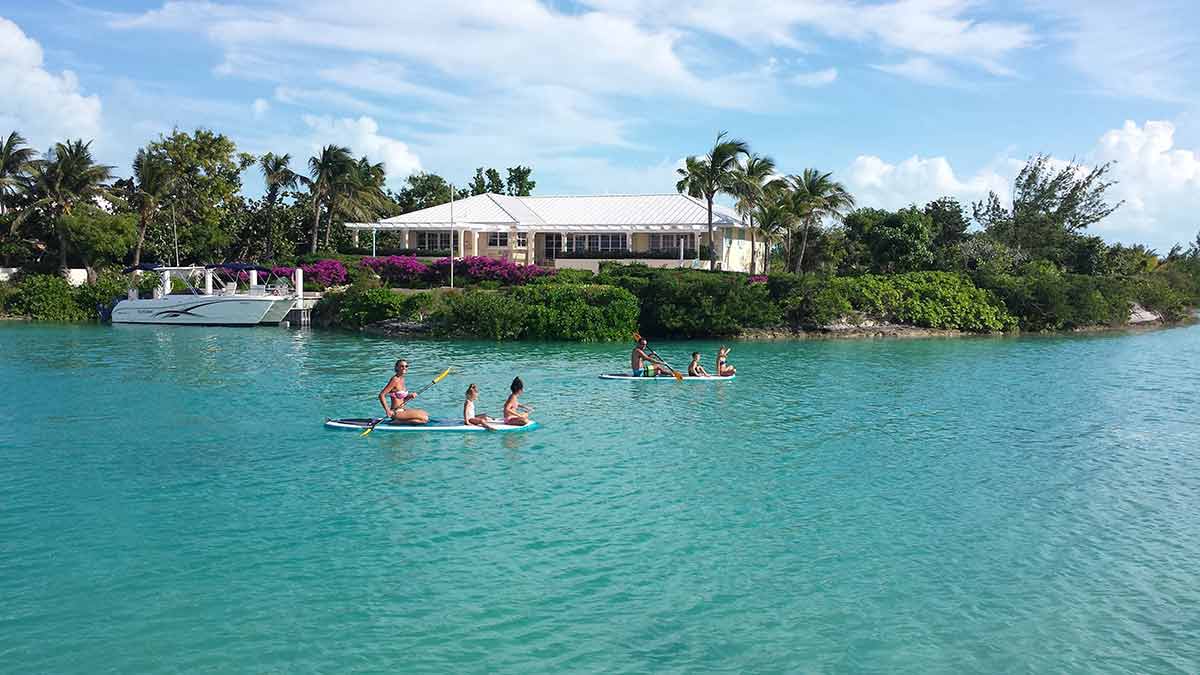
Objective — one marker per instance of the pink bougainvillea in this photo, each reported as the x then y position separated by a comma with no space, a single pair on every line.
408,271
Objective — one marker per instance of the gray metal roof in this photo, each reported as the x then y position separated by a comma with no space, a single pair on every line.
657,211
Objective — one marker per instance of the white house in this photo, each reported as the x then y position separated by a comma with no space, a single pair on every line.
662,230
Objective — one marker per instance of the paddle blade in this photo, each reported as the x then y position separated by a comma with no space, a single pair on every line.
637,337
369,430
442,376
678,375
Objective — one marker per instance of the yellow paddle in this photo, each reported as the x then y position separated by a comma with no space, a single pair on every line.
675,373
422,390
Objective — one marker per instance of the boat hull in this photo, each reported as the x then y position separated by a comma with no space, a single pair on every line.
201,310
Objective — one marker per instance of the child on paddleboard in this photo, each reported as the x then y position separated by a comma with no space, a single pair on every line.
469,416
723,367
515,413
695,369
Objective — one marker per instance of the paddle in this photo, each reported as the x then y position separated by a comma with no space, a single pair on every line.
422,390
637,337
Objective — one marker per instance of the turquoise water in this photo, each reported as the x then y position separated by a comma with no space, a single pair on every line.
169,501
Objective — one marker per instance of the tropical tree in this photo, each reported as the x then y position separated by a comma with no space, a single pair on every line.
278,175
65,178
15,157
1050,204
773,219
706,177
153,182
357,193
518,181
816,197
751,180
204,199
325,170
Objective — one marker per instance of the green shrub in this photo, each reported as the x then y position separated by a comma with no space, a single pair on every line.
590,313
813,301
361,306
7,291
565,276
1042,297
107,287
1156,293
694,303
493,315
928,299
46,297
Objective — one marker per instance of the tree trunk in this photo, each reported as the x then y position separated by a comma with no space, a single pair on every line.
712,248
270,247
137,251
62,250
753,247
316,229
803,247
329,222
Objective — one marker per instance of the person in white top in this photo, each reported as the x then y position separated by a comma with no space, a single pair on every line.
469,416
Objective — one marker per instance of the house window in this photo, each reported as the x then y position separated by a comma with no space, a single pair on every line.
669,242
433,241
500,239
597,243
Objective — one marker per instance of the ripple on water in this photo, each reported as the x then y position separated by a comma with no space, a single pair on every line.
991,505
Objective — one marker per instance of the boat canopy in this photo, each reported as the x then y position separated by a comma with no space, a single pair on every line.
143,267
238,267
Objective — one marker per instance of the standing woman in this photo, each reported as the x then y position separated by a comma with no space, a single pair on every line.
395,396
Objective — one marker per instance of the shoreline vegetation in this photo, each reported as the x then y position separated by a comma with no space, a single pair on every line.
833,269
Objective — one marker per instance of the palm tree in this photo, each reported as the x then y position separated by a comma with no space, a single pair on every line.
67,177
15,156
357,193
709,176
816,197
154,181
278,175
324,170
774,219
751,181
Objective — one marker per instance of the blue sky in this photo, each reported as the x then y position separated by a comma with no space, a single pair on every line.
903,100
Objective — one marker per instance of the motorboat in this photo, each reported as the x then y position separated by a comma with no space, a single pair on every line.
219,301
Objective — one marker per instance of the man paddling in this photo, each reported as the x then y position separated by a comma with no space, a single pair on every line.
641,362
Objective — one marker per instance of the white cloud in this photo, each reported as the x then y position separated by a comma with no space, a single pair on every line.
261,106
943,29
1137,49
44,107
324,98
920,69
382,77
484,42
916,180
816,78
362,136
1159,183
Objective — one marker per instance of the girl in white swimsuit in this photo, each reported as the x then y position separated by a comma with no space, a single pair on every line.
469,416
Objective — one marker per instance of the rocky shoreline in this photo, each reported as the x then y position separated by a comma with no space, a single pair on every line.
1140,319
